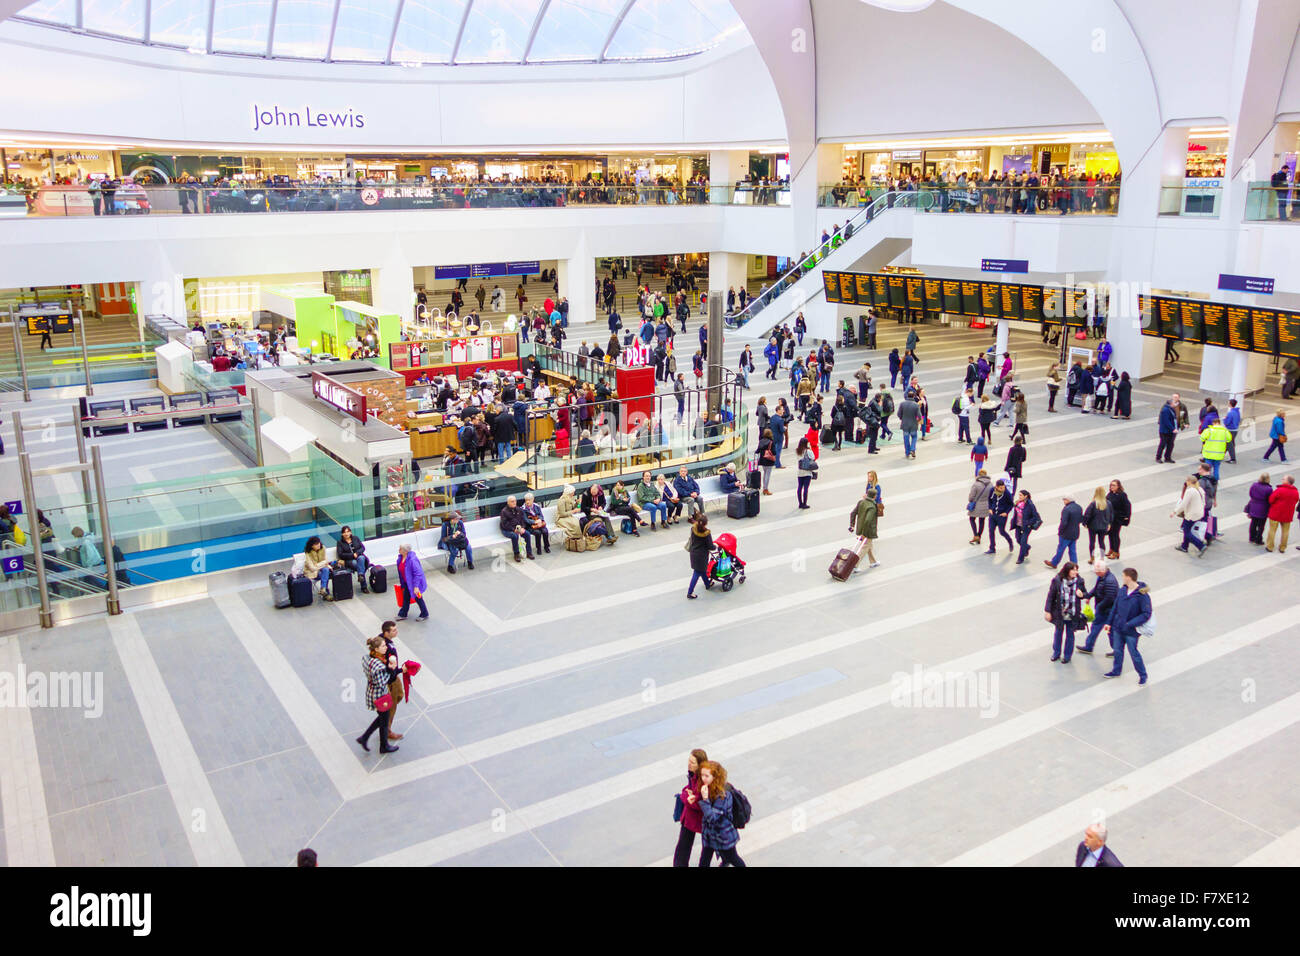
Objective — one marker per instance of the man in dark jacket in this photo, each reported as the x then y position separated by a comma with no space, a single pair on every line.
1132,609
514,525
503,433
1103,595
869,413
1168,427
1067,532
1093,851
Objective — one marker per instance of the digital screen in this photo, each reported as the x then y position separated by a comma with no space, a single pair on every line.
847,295
832,281
879,290
1052,303
1010,300
1171,318
970,298
1193,314
914,286
862,286
1214,324
1239,327
933,295
1263,330
1076,307
897,292
1031,303
991,300
1147,315
952,296
1288,334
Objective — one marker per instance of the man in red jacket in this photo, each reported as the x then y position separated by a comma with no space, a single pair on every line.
1281,511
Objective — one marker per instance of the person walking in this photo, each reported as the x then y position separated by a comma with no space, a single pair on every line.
979,454
776,423
1257,508
1215,439
1067,531
410,574
1102,594
1232,422
1121,512
1053,385
1281,510
719,833
1097,517
688,809
1167,426
1020,409
894,365
1277,436
1015,464
1064,610
909,419
699,543
1025,520
388,631
380,671
807,471
977,504
1000,505
865,523
1191,508
1132,609
1092,851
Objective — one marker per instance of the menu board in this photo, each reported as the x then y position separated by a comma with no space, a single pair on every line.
1171,318
897,291
1288,334
1263,330
847,291
832,282
1031,303
1076,308
862,287
991,300
1010,300
914,286
1147,316
879,290
1214,324
970,298
933,295
1239,327
1193,315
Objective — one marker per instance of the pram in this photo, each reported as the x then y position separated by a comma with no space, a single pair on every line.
725,567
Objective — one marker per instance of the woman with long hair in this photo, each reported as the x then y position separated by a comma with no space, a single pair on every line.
718,834
1020,410
1097,517
1064,609
1121,510
688,804
1015,465
699,543
807,469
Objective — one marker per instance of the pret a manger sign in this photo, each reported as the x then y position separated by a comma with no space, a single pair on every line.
347,400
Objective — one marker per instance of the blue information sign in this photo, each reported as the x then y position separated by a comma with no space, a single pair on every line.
1258,284
11,565
1004,265
485,270
15,507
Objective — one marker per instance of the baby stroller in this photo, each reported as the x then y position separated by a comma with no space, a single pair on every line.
725,567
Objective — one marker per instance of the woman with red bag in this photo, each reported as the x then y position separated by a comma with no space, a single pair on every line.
379,674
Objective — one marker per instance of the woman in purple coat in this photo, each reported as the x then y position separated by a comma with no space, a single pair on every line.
1257,508
411,575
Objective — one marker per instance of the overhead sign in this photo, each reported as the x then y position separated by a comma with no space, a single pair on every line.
347,400
485,270
1004,265
1257,284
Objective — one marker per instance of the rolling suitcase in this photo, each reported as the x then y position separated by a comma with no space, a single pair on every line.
736,504
860,436
845,561
341,585
279,588
378,579
828,435
301,592
752,501
754,479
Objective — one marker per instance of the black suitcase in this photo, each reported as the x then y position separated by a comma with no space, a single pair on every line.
828,435
279,588
752,501
378,579
754,479
301,592
341,584
736,504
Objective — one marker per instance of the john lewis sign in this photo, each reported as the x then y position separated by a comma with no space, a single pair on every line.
274,117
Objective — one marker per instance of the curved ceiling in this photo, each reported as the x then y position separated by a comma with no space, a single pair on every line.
407,31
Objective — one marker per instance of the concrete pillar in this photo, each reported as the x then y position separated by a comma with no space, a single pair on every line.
726,168
161,294
577,281
392,286
1004,336
727,270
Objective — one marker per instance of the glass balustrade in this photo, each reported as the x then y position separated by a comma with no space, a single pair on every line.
1098,198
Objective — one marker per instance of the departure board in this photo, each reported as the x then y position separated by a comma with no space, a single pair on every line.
991,300
879,290
952,297
897,292
1237,318
862,287
1147,315
933,295
832,281
1214,324
1075,312
1010,300
1288,334
1263,330
970,298
1171,318
1031,303
847,294
914,286
1193,314
1053,307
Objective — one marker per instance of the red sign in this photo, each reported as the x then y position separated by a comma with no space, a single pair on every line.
347,400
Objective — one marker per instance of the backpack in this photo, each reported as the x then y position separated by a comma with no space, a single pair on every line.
741,810
888,408
956,405
467,437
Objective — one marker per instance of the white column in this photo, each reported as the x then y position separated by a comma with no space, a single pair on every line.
392,285
161,294
727,270
726,168
577,280
1004,336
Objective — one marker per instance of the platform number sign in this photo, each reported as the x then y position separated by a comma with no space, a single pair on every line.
11,565
15,507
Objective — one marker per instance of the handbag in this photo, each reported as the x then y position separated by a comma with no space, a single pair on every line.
1149,628
970,506
678,809
384,703
1281,439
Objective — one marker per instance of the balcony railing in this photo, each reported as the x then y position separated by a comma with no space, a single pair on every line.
1098,198
1266,202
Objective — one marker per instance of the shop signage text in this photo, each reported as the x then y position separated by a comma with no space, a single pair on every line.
1004,265
347,400
483,270
274,117
1257,284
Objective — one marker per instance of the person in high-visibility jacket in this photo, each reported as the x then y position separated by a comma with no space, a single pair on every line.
1214,444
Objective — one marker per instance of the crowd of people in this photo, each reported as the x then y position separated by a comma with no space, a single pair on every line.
1017,192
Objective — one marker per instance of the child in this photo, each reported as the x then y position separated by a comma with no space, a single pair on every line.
979,453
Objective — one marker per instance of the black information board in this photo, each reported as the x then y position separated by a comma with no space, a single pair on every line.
933,295
1171,318
991,300
879,290
1214,324
1031,303
1150,321
832,283
1263,330
897,292
1237,318
1075,312
847,293
970,298
862,286
1288,334
1193,314
1010,300
914,292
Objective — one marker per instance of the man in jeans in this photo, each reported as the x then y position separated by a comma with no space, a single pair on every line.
1103,595
909,420
1132,609
1067,532
963,417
